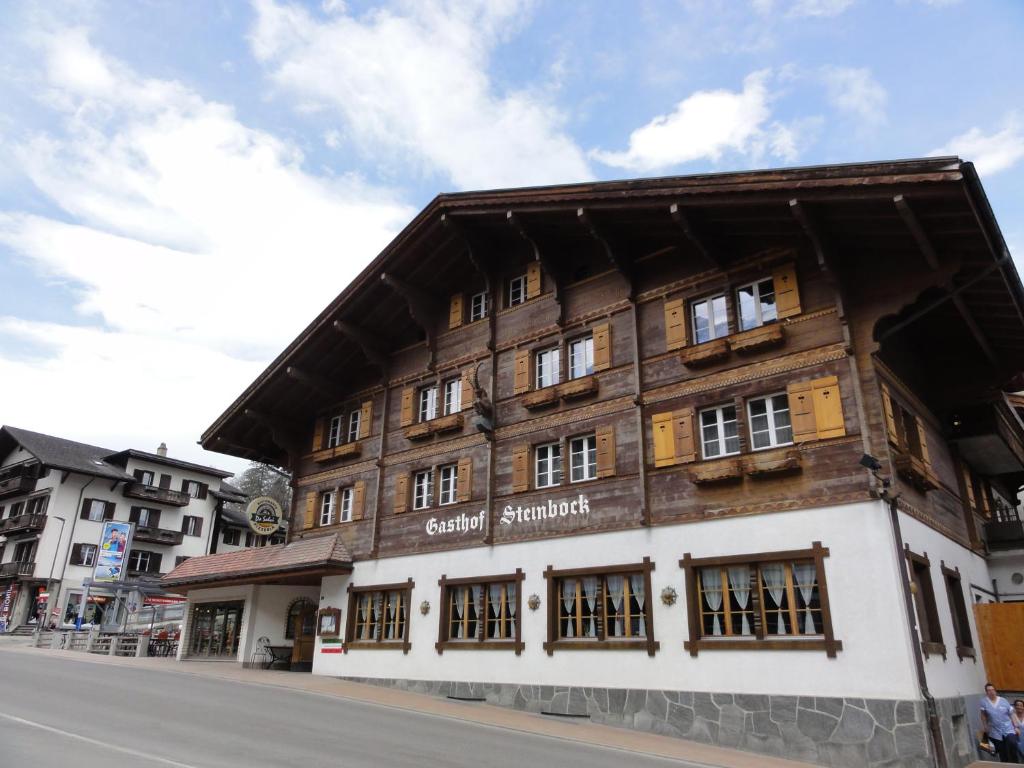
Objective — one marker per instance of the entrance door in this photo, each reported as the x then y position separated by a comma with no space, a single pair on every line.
999,629
305,636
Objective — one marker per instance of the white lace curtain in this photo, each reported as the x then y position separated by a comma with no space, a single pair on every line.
569,603
590,593
458,600
392,612
478,596
616,586
636,586
774,576
512,599
805,575
711,578
739,584
378,599
494,612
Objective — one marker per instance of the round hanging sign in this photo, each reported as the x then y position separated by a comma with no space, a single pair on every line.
265,515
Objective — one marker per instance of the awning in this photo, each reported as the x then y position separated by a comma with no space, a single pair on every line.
164,600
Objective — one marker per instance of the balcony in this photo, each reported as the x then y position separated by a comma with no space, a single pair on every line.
17,569
990,439
17,485
22,524
1005,530
424,429
158,535
159,495
343,451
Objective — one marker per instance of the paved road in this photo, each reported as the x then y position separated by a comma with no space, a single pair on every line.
61,711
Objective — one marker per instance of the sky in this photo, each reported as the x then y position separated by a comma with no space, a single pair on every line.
173,173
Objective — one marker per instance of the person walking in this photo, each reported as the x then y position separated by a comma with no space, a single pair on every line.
1000,723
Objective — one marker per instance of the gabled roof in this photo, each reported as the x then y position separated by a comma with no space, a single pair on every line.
121,459
228,492
63,454
311,555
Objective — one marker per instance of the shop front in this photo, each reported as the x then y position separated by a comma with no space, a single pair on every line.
214,630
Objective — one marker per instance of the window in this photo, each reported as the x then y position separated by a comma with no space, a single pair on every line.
24,552
18,509
277,538
428,403
517,290
423,489
478,306
232,536
548,460
346,505
583,458
547,367
334,433
756,303
296,608
144,476
250,539
83,554
192,525
958,610
139,560
924,601
771,600
449,483
180,559
769,422
96,510
36,505
452,396
481,611
327,508
379,615
353,426
709,319
718,432
581,357
193,489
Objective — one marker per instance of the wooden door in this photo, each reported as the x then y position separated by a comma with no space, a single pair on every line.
1000,629
305,636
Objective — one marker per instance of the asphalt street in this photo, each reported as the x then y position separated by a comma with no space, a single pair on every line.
57,711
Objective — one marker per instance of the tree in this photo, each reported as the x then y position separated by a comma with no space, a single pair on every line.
264,480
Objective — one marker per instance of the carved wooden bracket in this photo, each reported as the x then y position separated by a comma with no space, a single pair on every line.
692,237
473,249
616,256
280,434
546,263
424,310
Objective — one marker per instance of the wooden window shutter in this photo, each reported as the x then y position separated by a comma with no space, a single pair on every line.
828,408
165,482
365,419
985,491
606,451
401,493
602,346
199,526
318,434
310,510
86,506
154,518
890,417
521,382
467,389
686,445
455,311
675,324
203,488
533,279
968,487
133,515
155,561
662,425
923,440
138,474
108,512
520,468
801,412
787,294
464,481
408,396
76,554
358,499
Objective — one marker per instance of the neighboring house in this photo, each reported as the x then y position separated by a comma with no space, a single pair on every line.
608,437
55,495
233,532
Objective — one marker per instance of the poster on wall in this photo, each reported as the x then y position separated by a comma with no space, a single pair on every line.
112,555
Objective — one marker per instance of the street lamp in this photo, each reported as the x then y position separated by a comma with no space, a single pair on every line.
49,582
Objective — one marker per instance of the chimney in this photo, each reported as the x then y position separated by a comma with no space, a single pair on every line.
162,450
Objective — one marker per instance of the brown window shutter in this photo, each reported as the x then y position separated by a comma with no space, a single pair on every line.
890,418
606,452
154,518
318,435
408,396
155,561
310,510
602,346
133,515
686,444
520,468
138,473
787,293
986,492
968,487
828,408
86,506
76,555
455,311
184,523
532,279
108,512
401,493
467,389
521,382
675,324
662,426
165,481
801,412
365,419
199,526
358,499
203,488
464,480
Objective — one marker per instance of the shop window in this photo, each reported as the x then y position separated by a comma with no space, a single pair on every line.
481,611
770,425
958,611
378,617
928,625
718,432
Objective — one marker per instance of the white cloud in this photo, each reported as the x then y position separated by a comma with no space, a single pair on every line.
990,153
412,85
708,125
856,92
819,8
189,239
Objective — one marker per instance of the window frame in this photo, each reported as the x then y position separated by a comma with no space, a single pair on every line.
772,427
761,640
481,642
405,589
137,554
189,484
428,500
760,321
453,480
600,643
232,537
587,341
720,426
587,451
345,497
484,303
334,432
551,355
556,445
929,625
189,525
92,508
958,612
709,300
355,419
426,403
520,281
326,505
452,398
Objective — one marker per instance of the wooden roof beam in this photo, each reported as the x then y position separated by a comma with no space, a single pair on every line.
322,385
545,260
424,310
813,233
368,342
685,225
473,251
279,434
616,257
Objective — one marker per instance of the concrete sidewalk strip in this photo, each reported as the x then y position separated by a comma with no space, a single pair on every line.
480,713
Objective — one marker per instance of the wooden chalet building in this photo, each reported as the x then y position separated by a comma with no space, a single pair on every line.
597,449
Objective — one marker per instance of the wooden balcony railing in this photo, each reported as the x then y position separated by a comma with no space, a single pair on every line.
16,485
158,535
159,495
22,523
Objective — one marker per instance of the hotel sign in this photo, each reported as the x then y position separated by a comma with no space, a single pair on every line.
550,511
264,515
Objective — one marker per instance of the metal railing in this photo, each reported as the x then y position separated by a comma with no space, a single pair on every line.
17,568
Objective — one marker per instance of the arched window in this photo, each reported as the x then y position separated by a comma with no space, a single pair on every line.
296,607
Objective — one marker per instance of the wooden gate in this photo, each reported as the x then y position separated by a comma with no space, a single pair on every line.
1001,632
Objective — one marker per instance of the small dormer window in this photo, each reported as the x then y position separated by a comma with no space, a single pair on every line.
517,290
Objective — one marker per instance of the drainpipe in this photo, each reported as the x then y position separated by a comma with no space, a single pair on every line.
71,537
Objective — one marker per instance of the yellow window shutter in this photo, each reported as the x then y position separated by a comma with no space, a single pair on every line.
985,491
801,412
401,493
520,468
532,279
521,382
828,408
358,499
310,518
464,479
365,419
467,389
787,293
602,346
675,324
408,395
455,311
969,487
923,440
686,444
890,417
318,434
605,452
662,425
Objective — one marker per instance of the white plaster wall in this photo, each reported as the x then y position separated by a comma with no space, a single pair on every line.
272,603
867,612
244,593
1002,566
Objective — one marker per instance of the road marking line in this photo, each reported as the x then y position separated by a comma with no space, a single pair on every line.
96,742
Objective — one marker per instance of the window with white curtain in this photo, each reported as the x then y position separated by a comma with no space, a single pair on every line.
481,612
599,607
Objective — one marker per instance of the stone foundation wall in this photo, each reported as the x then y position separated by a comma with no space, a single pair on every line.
849,733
